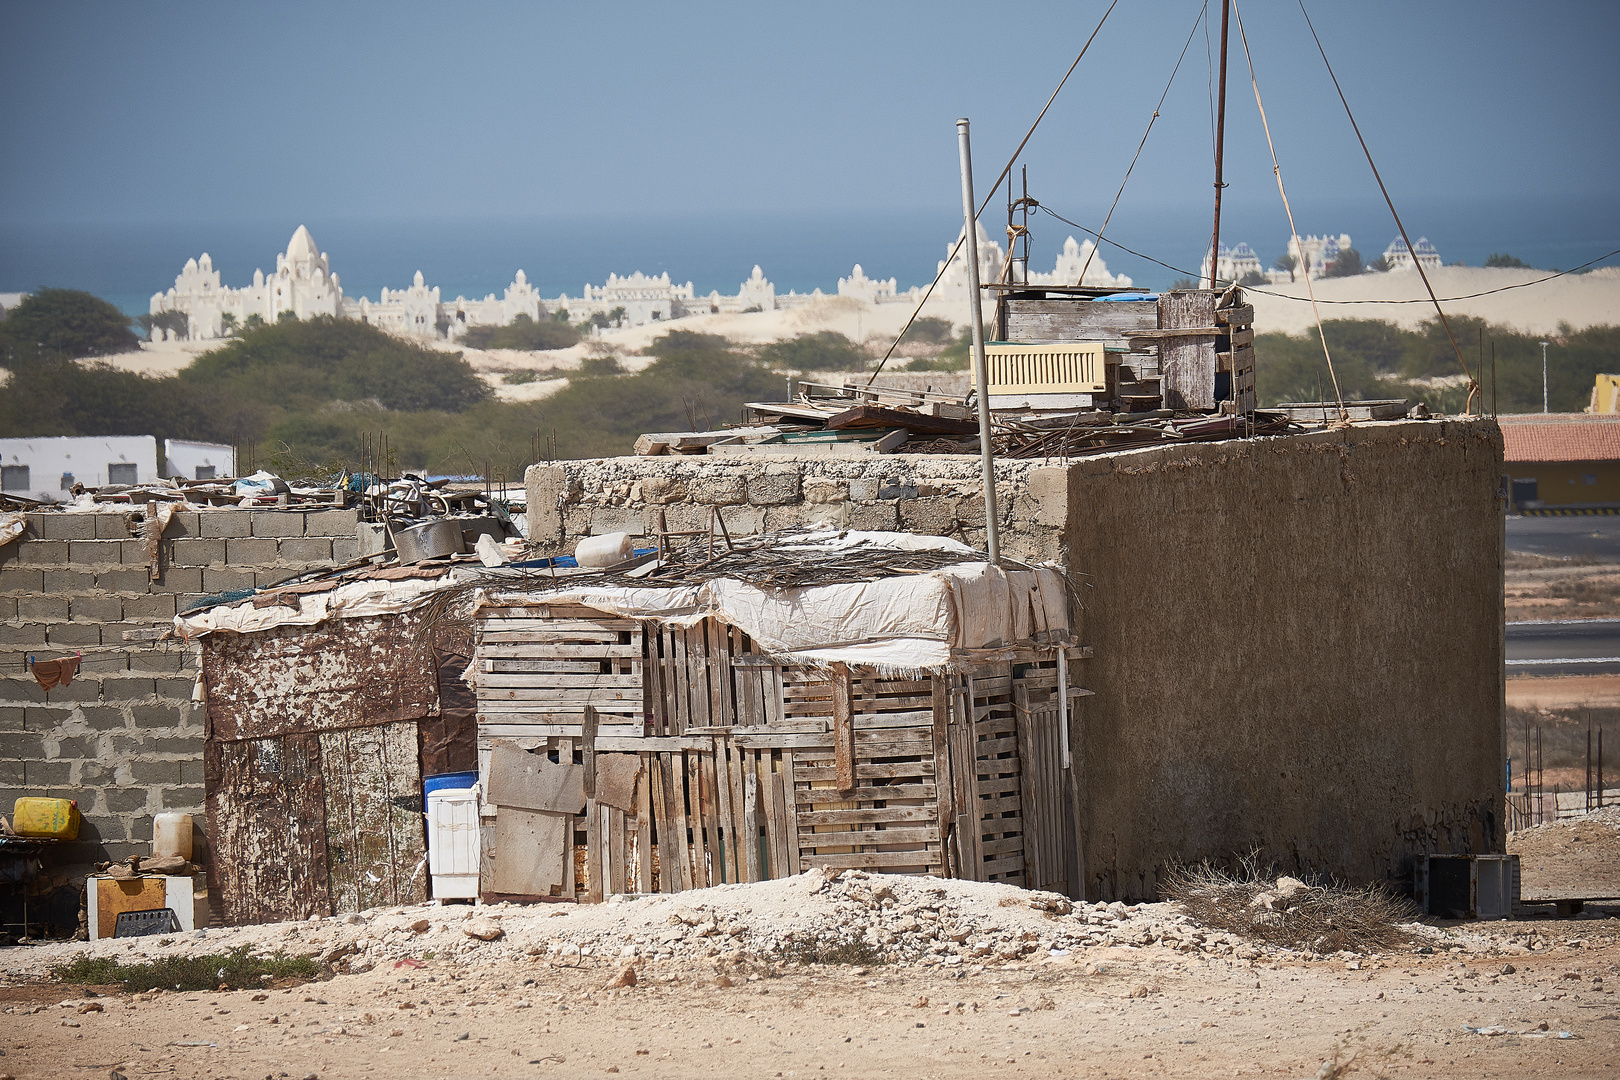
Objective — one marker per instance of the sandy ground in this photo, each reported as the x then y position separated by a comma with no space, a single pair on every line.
1542,587
1581,300
1162,999
1577,857
1564,692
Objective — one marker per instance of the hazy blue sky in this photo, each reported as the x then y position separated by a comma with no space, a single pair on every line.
122,113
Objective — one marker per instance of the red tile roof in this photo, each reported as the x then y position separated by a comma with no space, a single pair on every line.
1532,437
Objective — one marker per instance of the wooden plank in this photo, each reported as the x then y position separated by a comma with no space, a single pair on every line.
680,841
511,664
692,762
867,816
533,782
681,702
720,673
725,807
554,680
843,727
905,769
1032,772
771,686
1242,337
1038,321
774,862
750,834
593,824
1187,364
809,796
713,763
617,861
1241,315
697,658
519,649
925,834
791,812
644,827
940,711
669,857
860,859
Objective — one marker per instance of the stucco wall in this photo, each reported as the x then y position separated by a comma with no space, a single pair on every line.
1298,648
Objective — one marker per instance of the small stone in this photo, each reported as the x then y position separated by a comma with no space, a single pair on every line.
1139,991
420,925
90,1007
355,919
482,928
1508,969
625,977
463,1037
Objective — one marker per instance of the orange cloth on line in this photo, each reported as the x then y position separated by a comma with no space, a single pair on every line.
51,672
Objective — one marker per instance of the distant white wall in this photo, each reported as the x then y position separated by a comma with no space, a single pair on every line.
47,468
198,460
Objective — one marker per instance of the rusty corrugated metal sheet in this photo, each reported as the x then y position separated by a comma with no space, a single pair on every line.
375,840
345,673
266,813
450,739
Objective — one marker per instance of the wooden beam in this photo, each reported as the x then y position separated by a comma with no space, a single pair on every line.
843,727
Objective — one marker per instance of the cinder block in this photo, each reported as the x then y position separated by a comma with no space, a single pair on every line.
176,689
77,746
197,552
153,607
21,687
156,716
266,579
134,553
225,523
47,774
46,717
69,526
127,800
331,522
307,549
128,746
113,526
218,581
11,773
108,829
25,745
249,552
128,580
191,772
81,689
547,489
186,745
68,582
345,549
183,798
155,772
96,552
19,579
152,660
183,524
128,688
101,609
11,718
180,579
929,517
718,490
42,552
33,527
42,608
8,608
73,634
776,486
140,828
95,775
875,517
611,519
663,490
1049,488
277,524
104,717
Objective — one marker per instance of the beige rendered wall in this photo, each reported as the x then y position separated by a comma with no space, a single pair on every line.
1298,648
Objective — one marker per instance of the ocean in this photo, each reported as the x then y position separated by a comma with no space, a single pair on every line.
126,263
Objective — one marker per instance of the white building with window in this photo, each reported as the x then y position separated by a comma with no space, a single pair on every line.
47,468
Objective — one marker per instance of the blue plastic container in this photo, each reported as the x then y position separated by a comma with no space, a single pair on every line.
450,781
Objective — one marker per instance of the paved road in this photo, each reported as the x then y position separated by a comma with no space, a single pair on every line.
1572,647
1597,536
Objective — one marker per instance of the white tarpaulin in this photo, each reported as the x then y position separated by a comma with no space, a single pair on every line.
351,601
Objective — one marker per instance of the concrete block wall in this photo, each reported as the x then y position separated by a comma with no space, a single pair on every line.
123,738
933,494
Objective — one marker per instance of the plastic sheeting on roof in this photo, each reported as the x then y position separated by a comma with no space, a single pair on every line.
351,601
905,623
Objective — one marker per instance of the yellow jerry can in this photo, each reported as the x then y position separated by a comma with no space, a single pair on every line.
57,818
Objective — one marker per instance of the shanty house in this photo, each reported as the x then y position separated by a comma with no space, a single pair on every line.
1562,461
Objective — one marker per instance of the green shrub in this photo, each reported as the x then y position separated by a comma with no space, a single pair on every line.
235,970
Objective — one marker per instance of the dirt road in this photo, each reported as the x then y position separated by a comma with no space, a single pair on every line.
1153,1011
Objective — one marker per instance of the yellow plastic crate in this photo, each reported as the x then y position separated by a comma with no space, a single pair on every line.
1058,368
57,818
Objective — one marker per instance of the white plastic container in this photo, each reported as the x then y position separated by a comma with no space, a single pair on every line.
171,835
453,843
609,549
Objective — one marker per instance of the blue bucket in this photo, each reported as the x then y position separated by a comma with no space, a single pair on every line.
450,781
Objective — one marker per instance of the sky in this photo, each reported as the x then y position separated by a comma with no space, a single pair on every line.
199,117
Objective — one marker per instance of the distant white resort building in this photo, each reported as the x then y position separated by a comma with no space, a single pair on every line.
1235,264
1399,256
304,285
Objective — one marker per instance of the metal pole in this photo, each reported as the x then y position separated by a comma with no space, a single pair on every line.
1543,376
981,382
1220,146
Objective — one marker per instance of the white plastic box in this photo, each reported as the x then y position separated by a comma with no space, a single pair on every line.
453,843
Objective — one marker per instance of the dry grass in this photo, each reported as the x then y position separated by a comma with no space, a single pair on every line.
1323,917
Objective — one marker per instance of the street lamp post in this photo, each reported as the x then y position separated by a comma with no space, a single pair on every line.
1544,376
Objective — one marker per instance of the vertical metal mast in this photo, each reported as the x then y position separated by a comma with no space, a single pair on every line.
970,251
1220,148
